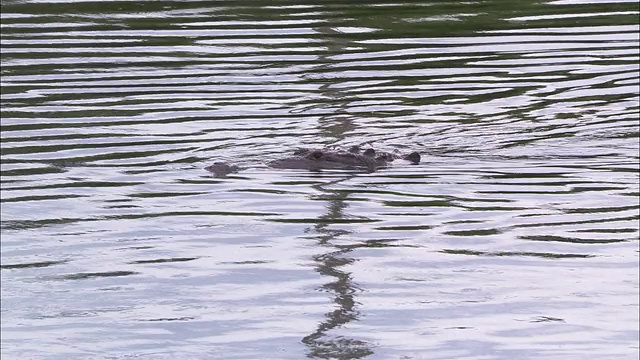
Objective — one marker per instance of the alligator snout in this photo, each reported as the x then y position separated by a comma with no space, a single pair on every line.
414,157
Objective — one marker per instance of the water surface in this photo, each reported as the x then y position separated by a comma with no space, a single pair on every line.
515,238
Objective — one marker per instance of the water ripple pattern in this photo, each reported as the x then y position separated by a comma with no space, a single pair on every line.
516,237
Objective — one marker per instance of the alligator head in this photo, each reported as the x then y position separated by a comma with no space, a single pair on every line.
354,158
319,159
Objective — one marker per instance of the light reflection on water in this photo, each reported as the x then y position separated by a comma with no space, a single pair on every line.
516,237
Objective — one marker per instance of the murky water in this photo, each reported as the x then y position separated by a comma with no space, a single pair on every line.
515,238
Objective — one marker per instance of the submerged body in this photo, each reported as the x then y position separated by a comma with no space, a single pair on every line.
319,159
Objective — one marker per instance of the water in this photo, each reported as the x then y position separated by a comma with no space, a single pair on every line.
515,238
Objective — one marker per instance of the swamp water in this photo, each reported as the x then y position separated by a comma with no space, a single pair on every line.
515,238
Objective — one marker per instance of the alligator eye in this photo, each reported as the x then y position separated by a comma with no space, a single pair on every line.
369,152
316,154
354,149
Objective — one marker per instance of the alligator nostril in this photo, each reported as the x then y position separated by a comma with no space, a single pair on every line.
370,152
414,157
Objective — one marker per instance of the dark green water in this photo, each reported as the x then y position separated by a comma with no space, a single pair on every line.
515,238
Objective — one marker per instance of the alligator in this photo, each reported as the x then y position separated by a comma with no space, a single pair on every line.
328,158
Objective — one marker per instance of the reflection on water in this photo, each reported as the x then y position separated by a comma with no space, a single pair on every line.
342,289
521,219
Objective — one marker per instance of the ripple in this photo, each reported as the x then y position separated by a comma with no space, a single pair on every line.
522,217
